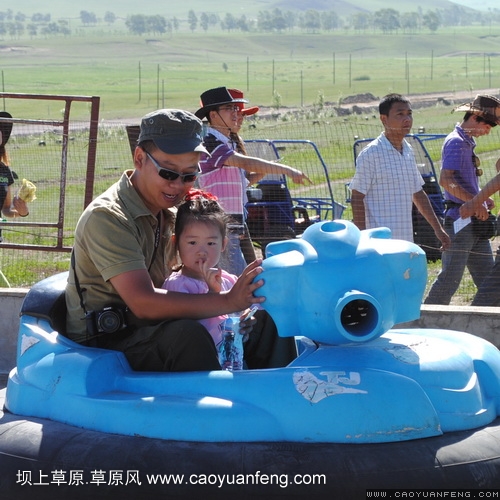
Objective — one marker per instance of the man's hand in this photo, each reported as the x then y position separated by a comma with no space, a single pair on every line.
472,208
241,295
445,239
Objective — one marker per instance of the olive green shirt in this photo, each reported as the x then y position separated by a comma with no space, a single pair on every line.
116,234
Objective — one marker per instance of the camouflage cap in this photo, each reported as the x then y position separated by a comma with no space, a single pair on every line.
174,131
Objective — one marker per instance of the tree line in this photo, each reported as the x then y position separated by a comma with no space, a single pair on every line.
267,21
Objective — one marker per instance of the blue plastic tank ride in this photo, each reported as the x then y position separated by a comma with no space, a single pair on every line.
339,291
364,405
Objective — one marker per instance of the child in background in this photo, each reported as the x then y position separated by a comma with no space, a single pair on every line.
200,238
11,205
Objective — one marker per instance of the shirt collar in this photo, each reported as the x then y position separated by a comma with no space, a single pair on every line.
131,199
461,132
387,144
218,135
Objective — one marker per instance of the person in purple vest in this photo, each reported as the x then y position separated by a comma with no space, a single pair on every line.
459,177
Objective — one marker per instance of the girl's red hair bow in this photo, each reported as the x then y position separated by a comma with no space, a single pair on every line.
194,194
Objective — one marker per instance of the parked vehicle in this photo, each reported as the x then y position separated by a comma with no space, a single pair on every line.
273,212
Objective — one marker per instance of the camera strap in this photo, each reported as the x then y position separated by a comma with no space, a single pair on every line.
90,339
77,282
159,218
80,290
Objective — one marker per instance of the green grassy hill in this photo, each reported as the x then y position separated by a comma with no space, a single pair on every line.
134,74
300,79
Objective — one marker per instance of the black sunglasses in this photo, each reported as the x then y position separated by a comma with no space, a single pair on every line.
477,162
232,108
172,175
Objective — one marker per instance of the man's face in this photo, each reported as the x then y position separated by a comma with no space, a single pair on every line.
399,120
157,192
478,128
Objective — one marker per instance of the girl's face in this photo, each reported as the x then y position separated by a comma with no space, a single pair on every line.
200,245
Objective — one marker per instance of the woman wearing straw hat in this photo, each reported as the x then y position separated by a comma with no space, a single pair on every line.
224,171
460,174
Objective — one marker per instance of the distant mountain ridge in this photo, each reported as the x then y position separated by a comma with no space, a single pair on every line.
346,8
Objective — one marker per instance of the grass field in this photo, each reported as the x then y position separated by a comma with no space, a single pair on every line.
134,75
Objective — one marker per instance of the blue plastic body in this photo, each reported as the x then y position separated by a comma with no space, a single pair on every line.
356,380
338,284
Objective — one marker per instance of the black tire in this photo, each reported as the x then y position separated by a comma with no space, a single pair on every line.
465,459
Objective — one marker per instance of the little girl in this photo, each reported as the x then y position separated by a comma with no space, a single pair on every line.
200,238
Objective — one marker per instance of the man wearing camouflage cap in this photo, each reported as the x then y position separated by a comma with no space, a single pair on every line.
113,295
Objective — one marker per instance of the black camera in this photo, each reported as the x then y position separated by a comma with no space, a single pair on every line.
108,320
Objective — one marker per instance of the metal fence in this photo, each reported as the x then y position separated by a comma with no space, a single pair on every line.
59,156
71,161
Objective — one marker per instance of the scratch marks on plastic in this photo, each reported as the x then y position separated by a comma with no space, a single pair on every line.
315,389
27,342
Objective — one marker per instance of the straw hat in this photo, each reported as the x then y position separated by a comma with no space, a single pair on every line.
486,106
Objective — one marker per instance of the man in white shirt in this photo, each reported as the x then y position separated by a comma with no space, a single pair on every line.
387,181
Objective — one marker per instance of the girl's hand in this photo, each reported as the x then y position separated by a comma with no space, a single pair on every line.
20,205
247,322
299,177
212,277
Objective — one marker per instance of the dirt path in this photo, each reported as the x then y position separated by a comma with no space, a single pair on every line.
458,96
368,100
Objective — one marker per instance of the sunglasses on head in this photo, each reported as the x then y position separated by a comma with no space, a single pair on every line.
477,162
172,175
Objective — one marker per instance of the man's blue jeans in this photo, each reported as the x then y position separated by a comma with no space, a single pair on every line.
467,250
